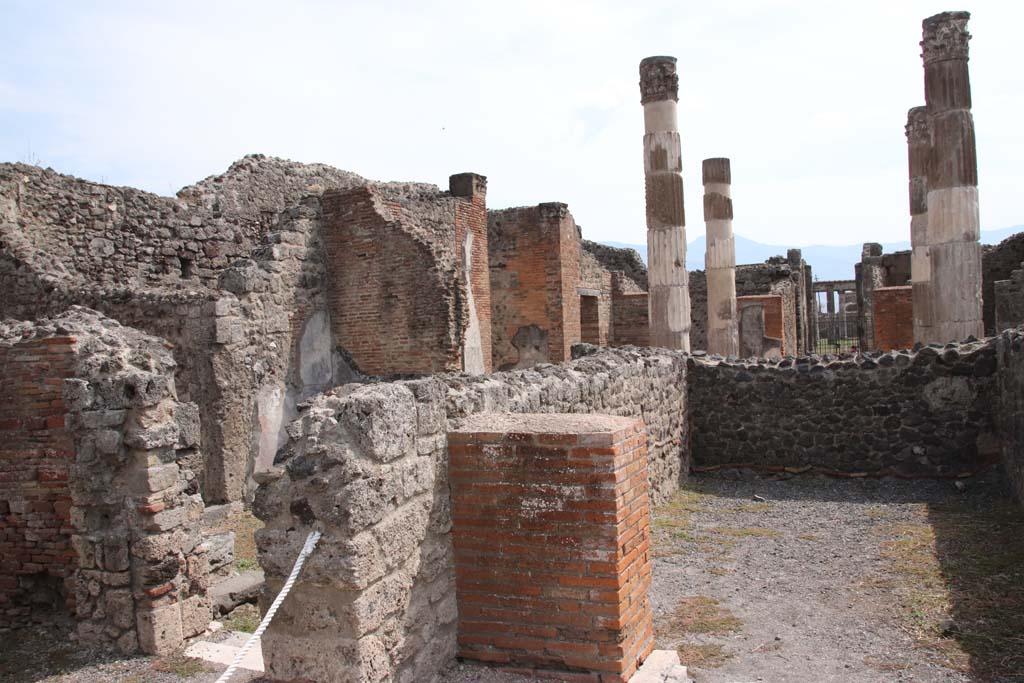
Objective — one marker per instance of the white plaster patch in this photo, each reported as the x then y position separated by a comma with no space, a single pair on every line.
225,653
316,368
274,411
472,347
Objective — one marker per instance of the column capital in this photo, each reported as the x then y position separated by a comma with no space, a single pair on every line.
658,80
917,125
945,37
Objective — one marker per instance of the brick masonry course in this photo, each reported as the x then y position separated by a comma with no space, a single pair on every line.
551,532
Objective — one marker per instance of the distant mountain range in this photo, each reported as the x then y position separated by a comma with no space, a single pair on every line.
827,262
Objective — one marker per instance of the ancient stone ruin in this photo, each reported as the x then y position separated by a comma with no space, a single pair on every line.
476,408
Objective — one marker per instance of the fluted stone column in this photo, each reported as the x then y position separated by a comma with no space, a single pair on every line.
668,283
918,150
953,222
720,259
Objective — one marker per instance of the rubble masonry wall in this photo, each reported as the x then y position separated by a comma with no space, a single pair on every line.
1010,415
929,412
367,465
139,571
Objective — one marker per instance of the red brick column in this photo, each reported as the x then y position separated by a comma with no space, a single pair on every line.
551,529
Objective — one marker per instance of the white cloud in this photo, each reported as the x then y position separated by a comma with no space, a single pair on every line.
807,98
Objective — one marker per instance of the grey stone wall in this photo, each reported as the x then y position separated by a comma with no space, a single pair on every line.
1010,406
876,270
231,272
784,276
698,309
910,413
998,263
141,570
1009,300
632,271
367,465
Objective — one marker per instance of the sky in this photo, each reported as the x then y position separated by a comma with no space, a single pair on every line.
808,98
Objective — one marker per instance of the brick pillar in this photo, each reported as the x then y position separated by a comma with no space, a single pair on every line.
953,221
720,259
471,246
668,287
918,149
551,530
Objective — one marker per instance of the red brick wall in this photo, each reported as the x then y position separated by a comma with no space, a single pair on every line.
774,325
535,274
894,318
591,330
630,320
551,531
36,559
391,306
471,216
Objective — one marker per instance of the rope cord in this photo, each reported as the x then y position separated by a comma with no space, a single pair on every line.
311,541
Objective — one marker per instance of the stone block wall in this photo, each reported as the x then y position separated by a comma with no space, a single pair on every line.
698,309
998,263
909,413
785,277
551,530
535,277
367,465
36,560
894,318
1010,406
232,273
877,270
139,570
72,229
1009,300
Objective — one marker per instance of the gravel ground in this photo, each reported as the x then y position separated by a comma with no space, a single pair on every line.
806,583
778,579
45,654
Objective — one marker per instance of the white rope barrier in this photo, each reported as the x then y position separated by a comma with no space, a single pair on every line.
311,541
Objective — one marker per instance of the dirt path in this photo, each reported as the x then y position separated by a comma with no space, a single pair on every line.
812,579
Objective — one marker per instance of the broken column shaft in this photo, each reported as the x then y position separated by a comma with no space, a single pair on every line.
953,222
668,282
918,150
720,259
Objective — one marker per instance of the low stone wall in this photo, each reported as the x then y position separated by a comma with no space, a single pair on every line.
998,263
114,433
1010,414
912,413
367,465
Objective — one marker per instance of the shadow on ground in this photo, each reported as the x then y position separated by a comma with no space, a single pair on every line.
956,569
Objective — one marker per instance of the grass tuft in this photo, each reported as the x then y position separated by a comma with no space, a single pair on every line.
707,656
